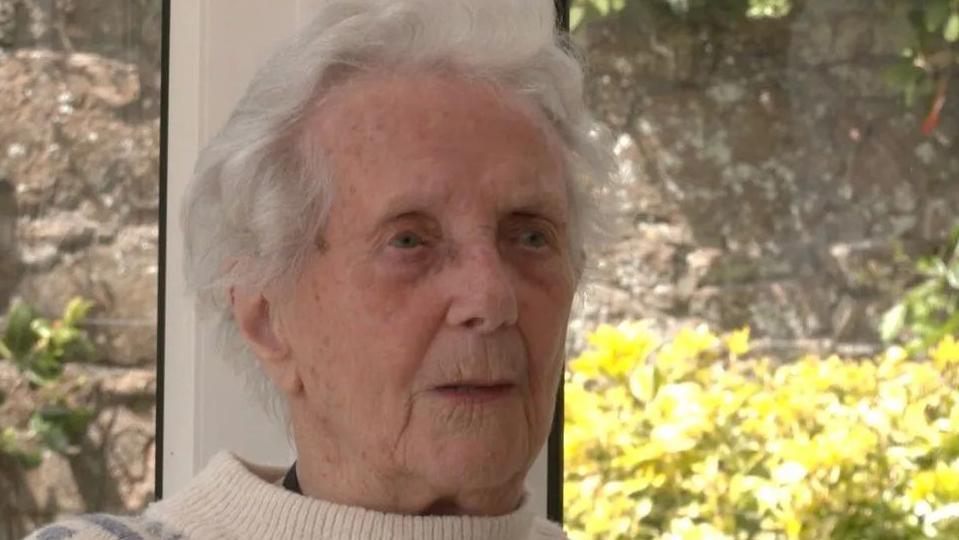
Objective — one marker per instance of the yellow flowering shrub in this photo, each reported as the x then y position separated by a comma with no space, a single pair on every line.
695,438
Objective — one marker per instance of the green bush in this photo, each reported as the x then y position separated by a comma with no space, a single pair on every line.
928,311
695,438
38,348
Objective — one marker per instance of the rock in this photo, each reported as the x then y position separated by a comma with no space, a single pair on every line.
116,84
127,438
128,385
66,231
40,258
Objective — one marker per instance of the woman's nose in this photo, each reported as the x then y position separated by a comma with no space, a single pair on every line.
483,293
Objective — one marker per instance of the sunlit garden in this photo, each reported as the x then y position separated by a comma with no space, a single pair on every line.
772,352
696,438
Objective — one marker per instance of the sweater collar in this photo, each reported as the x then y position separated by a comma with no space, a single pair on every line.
239,499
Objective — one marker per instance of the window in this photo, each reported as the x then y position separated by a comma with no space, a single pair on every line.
79,205
789,192
786,165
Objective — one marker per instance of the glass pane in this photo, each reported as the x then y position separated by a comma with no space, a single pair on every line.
79,150
784,296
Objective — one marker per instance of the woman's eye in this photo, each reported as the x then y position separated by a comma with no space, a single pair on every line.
533,239
407,240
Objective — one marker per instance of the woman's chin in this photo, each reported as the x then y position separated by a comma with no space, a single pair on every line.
471,486
479,462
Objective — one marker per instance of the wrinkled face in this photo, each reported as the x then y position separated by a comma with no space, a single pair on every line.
428,329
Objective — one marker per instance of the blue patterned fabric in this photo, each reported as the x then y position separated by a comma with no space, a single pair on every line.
103,526
55,532
113,526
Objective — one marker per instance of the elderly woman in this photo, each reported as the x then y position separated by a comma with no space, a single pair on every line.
391,229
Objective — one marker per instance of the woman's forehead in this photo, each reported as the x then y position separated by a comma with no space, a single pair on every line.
421,109
417,135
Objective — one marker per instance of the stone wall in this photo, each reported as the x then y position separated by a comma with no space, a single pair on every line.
772,177
79,187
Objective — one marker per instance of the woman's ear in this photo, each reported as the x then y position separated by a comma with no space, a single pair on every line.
258,322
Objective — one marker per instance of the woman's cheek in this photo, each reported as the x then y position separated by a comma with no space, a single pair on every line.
549,270
405,266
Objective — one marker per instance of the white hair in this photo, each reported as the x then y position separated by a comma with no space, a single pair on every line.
257,198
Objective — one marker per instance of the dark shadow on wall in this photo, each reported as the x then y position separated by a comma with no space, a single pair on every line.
9,256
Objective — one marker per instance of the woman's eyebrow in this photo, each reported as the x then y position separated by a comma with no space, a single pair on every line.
540,205
406,205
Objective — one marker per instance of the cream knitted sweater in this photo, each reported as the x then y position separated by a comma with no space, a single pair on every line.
232,499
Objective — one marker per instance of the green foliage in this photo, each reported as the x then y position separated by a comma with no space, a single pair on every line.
935,18
11,445
38,348
928,311
931,55
695,438
18,337
583,11
768,9
909,79
60,427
